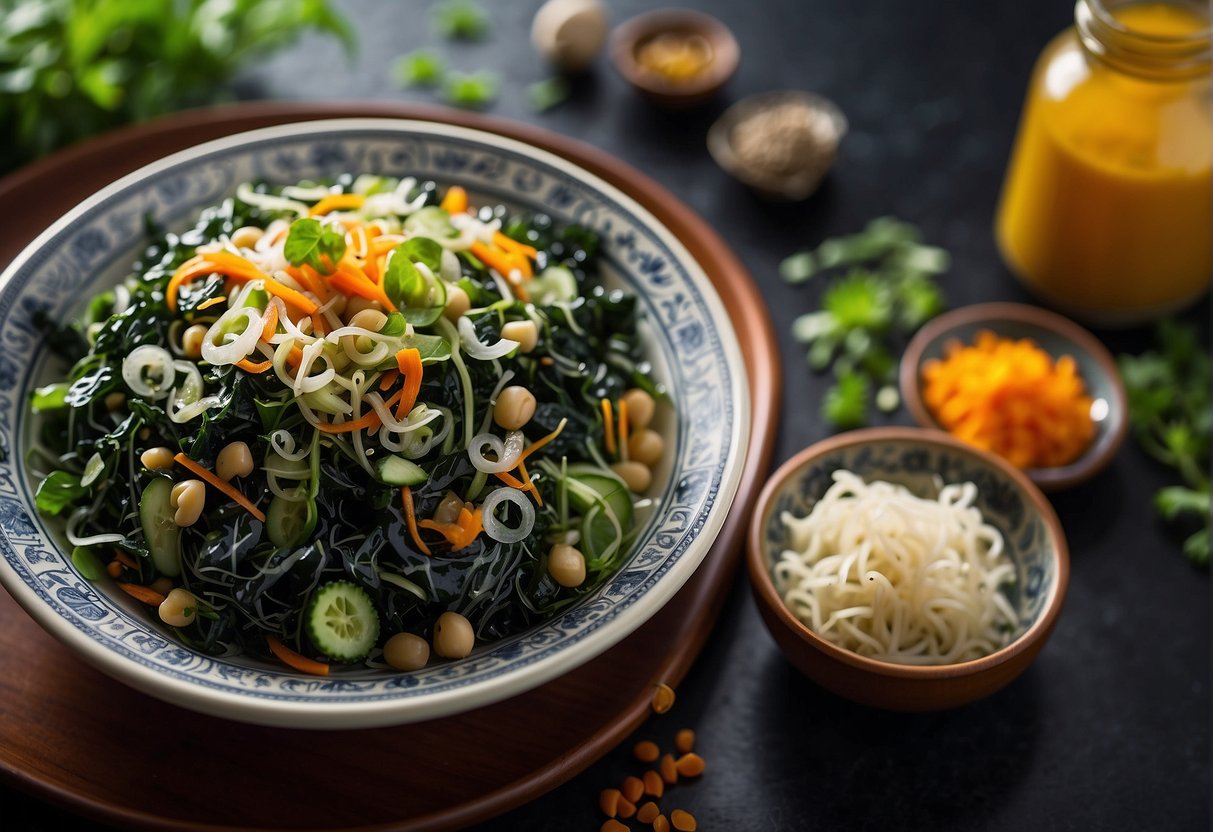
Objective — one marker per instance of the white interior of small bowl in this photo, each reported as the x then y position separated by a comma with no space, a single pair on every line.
690,341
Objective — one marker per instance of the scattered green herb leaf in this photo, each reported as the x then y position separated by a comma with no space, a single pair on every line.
478,89
312,243
461,19
423,68
846,403
546,94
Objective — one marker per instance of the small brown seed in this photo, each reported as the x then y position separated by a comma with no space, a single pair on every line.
653,784
646,751
669,769
663,698
690,765
454,637
646,446
608,802
612,825
684,741
648,812
626,808
632,788
405,651
636,475
683,821
640,407
660,824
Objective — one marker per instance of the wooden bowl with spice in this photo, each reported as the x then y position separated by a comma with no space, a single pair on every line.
675,57
903,569
781,144
1022,382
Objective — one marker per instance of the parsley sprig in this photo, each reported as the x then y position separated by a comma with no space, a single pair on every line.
1172,418
308,242
882,288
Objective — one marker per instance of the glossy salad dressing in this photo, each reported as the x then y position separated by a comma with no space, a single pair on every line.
1107,209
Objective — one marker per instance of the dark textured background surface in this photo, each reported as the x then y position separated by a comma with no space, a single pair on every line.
1110,728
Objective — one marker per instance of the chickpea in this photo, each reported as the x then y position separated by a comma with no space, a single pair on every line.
640,407
646,446
457,303
566,565
157,459
636,474
524,332
191,340
114,401
246,236
179,608
405,651
453,636
235,460
189,498
514,408
355,305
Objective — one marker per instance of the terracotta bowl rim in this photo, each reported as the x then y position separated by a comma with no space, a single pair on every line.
725,60
1106,444
768,597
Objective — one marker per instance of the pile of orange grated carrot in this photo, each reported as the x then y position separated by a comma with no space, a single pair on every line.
1010,397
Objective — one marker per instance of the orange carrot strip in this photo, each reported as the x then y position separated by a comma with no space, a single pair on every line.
455,201
141,593
292,659
608,422
271,323
207,304
256,368
623,428
351,280
529,484
319,325
539,443
503,262
298,300
462,532
336,202
310,279
359,242
388,379
410,520
295,356
409,362
125,559
385,243
510,244
226,487
367,421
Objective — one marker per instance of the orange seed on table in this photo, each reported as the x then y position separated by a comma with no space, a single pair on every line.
632,788
648,812
626,808
690,765
653,783
608,802
646,751
661,824
612,825
683,821
684,740
669,769
663,698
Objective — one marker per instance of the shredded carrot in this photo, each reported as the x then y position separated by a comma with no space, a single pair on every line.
409,362
255,368
320,326
623,429
215,301
510,244
455,201
388,379
539,443
503,261
529,484
359,242
292,659
237,269
295,299
1010,397
385,243
367,421
141,593
608,425
349,279
462,532
336,202
310,279
226,487
410,519
126,560
295,356
271,323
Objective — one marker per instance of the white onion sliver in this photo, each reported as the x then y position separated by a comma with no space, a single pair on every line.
75,539
483,352
507,451
245,193
497,530
238,347
153,360
283,444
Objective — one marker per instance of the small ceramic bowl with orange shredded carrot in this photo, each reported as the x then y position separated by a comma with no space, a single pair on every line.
1024,383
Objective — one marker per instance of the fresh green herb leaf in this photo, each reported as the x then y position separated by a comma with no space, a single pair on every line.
1175,500
799,267
309,242
51,397
845,404
546,94
461,20
395,325
859,300
58,492
423,68
475,90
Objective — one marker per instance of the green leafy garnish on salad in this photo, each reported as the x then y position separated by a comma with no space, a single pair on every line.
477,89
308,242
423,68
881,289
461,19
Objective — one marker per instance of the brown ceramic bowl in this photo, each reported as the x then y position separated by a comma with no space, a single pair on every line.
1057,336
632,35
915,458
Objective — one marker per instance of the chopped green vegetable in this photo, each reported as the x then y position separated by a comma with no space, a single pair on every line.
1171,413
71,69
887,292
546,94
161,533
423,68
342,621
59,491
461,20
471,90
88,564
311,243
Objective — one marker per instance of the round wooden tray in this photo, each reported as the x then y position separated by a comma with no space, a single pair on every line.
76,737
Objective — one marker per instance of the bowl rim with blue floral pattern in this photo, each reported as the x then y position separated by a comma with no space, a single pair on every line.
689,333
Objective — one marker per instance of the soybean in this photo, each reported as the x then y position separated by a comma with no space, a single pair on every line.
405,651
514,408
566,565
457,303
157,459
524,332
191,340
636,475
640,407
235,460
646,446
453,636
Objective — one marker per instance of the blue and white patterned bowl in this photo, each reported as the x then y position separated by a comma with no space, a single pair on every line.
918,459
689,337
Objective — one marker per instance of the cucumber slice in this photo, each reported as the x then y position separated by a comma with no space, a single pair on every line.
552,285
432,222
290,523
396,470
160,529
593,490
342,622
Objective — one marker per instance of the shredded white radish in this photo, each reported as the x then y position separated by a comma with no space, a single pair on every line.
148,371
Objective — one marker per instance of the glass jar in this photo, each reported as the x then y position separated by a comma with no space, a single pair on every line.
1107,207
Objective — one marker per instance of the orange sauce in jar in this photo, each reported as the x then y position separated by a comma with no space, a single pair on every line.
1107,208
